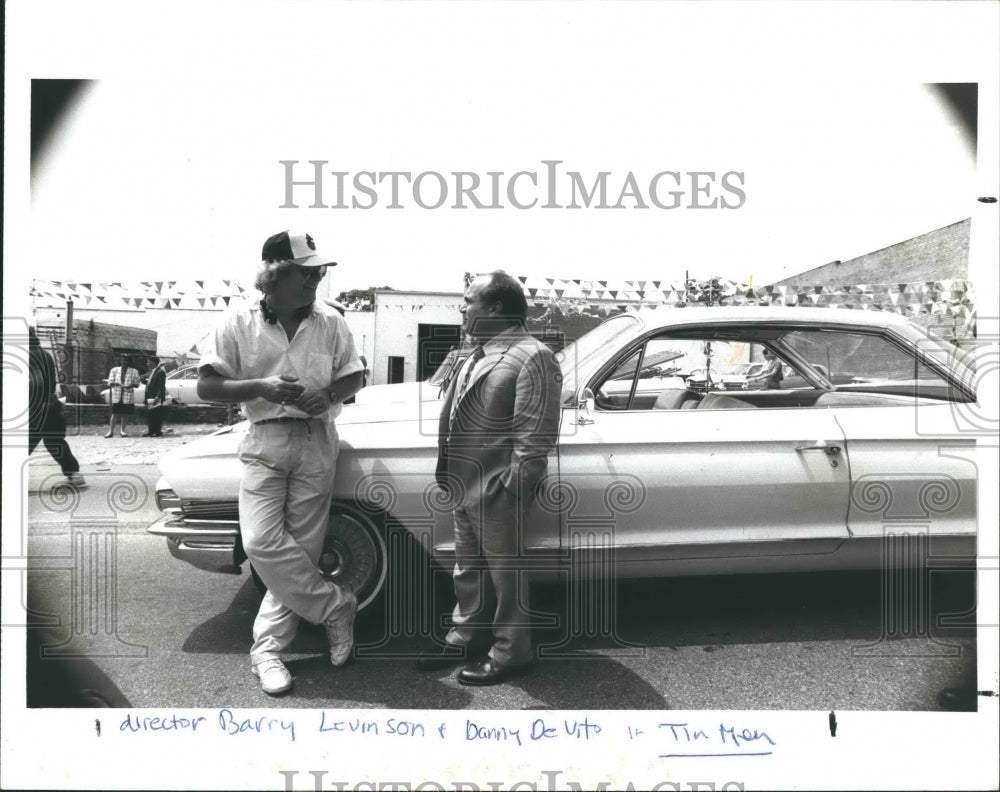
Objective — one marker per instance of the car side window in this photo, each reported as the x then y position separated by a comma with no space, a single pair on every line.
669,373
616,390
857,358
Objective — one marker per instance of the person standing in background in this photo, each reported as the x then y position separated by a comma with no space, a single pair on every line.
156,394
122,380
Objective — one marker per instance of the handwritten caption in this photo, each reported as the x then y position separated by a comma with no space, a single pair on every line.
670,739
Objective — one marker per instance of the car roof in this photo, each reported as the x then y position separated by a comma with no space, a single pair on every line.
653,318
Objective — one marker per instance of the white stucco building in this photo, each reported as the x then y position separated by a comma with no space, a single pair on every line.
412,332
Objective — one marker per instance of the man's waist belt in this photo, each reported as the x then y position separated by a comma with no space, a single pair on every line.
285,419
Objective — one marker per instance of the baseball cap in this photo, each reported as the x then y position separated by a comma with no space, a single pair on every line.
299,248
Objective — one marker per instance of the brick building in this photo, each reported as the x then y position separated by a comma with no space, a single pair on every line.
935,256
94,348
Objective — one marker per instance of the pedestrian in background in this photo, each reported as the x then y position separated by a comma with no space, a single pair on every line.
772,374
46,421
156,394
122,380
291,362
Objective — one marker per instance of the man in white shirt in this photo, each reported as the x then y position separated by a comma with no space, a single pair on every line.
290,362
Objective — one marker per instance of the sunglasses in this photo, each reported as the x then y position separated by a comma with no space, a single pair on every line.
310,273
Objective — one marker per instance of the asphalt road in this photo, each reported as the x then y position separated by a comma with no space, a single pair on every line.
169,635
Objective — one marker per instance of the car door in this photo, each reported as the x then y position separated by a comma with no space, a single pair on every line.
721,479
183,386
911,470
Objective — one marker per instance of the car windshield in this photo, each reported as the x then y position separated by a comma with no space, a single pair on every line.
578,358
449,365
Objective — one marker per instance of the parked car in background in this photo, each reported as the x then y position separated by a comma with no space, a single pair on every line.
738,376
182,388
694,481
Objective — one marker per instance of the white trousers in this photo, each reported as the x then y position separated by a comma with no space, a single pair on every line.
285,495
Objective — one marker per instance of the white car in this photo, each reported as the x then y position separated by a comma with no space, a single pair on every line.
811,476
739,374
182,388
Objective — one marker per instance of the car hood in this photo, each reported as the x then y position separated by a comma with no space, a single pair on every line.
209,467
398,392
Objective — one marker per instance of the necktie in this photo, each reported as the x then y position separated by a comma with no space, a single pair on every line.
474,358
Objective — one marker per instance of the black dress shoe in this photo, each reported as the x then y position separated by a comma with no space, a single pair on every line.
437,656
489,672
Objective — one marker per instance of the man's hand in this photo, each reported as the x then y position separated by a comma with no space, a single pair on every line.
281,389
314,401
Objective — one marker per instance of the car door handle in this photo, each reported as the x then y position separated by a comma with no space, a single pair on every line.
819,445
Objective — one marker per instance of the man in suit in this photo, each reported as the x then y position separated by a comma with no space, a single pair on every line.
156,393
499,422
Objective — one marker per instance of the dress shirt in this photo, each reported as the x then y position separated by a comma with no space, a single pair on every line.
244,346
464,377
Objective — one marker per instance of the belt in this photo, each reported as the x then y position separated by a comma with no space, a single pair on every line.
285,419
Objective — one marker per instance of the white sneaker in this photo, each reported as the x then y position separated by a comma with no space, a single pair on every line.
274,677
340,631
76,480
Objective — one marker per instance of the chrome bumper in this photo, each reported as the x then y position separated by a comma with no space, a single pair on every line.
208,545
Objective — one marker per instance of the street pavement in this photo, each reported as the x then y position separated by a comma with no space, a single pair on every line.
95,453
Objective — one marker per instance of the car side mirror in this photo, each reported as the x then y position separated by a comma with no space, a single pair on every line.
586,408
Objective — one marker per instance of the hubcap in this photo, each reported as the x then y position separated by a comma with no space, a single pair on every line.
353,557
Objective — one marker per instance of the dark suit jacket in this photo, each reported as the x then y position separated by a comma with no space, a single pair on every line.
156,388
495,452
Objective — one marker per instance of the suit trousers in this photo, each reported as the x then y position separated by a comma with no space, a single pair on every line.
490,588
285,495
154,420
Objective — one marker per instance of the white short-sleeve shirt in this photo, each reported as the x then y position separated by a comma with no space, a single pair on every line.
244,346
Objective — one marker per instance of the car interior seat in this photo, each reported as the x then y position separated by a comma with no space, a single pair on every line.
675,399
716,401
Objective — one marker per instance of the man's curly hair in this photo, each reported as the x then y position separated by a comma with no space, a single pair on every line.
269,274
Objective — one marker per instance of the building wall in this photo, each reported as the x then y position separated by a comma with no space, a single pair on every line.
93,352
362,324
176,330
938,255
397,316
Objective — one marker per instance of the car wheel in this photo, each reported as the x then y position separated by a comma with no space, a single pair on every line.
354,554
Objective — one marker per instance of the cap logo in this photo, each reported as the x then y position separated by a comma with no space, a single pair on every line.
309,241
